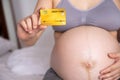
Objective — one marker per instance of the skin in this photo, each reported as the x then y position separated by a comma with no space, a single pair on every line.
30,29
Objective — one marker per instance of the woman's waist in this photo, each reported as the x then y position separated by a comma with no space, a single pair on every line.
82,66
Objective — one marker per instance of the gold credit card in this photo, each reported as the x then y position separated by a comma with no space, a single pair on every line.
53,17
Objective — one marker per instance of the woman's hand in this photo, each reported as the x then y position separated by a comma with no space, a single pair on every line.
113,71
30,27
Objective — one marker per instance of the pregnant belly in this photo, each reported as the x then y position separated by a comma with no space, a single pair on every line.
80,53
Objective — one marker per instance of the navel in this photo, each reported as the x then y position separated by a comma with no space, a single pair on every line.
88,66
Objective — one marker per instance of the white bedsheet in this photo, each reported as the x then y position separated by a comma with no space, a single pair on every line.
6,74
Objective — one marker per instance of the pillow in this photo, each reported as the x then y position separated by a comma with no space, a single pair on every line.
29,61
6,45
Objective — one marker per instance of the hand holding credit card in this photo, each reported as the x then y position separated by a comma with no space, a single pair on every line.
53,17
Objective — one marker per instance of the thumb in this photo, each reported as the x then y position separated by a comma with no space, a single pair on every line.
114,55
43,27
37,12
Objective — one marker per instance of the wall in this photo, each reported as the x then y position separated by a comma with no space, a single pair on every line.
23,8
9,22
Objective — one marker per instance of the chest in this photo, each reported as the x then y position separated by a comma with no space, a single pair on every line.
103,13
85,4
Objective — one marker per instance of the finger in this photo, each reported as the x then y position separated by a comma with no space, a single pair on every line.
37,12
43,27
38,15
110,75
39,21
29,24
24,26
111,68
34,20
21,32
115,77
113,55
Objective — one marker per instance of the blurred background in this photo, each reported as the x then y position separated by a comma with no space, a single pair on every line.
15,58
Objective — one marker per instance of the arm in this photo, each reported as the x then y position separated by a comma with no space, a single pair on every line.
29,29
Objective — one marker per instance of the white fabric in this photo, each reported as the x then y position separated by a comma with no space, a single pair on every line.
6,74
29,61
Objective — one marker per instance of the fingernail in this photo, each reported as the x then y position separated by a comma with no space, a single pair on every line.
109,53
30,32
26,30
112,55
101,72
34,27
44,26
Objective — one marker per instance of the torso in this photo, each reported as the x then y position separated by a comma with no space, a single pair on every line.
80,53
68,58
84,5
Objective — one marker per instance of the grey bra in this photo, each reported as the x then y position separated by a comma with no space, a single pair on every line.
105,15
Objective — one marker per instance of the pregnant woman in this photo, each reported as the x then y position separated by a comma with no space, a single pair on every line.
86,48
80,53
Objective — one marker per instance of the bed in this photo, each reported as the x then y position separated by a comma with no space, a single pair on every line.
22,64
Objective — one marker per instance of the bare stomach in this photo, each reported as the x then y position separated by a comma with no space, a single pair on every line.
80,53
